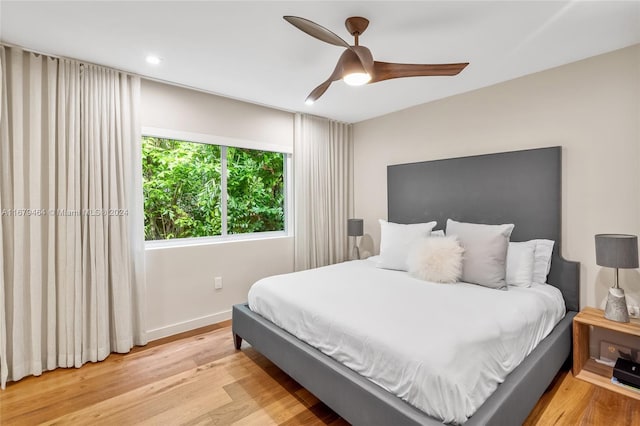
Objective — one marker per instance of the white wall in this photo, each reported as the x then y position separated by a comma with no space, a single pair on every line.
591,108
180,292
176,108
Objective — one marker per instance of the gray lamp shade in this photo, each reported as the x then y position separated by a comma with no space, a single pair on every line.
355,227
617,250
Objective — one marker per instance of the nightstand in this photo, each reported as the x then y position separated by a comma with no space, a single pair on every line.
588,369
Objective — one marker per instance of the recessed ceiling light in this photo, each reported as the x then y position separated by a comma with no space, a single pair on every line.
153,59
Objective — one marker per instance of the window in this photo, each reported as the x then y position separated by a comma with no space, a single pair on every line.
255,191
194,189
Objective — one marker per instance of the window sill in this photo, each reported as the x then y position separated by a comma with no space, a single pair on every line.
219,239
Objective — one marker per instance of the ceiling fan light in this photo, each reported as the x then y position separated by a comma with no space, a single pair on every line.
309,102
357,78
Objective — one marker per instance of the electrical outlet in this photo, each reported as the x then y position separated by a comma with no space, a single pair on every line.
217,283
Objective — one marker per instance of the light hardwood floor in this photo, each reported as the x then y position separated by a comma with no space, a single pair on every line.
198,378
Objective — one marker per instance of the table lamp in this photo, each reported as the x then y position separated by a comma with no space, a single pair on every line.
355,229
617,251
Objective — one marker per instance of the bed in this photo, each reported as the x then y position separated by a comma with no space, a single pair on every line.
522,187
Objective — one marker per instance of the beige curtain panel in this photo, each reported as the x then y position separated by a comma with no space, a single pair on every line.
323,195
71,224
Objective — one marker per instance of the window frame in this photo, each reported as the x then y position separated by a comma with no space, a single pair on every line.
224,143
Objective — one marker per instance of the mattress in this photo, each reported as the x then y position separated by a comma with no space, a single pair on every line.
443,348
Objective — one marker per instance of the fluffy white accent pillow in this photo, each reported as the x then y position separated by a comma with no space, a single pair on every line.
437,259
397,241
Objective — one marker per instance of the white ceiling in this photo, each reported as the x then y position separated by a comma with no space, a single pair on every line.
245,50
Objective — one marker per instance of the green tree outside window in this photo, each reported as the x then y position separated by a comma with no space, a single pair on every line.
183,189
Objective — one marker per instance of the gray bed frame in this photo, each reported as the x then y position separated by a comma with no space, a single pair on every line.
520,187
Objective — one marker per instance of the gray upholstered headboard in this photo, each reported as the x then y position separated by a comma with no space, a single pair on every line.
520,187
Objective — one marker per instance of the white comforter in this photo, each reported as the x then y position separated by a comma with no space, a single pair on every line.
443,348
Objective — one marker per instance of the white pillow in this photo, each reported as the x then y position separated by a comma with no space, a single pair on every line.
520,262
542,260
438,233
485,252
397,240
437,260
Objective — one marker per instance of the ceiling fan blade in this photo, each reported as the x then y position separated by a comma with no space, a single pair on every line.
315,30
335,76
318,91
387,70
365,57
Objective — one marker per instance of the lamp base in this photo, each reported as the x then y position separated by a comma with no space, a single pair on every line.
355,254
616,309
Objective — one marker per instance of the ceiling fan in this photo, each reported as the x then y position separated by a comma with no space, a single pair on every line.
356,65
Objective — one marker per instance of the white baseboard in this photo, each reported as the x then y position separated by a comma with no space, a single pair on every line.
181,327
